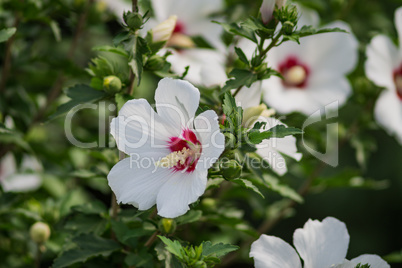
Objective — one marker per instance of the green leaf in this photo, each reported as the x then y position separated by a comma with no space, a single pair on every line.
139,48
121,99
124,233
116,50
86,246
94,207
242,56
249,185
241,77
86,223
189,217
5,34
56,30
217,250
394,257
284,190
255,136
235,29
173,247
307,30
140,259
79,94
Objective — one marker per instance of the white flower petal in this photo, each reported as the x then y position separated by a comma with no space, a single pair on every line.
388,113
273,252
322,244
249,96
382,59
212,140
270,150
375,261
21,182
267,10
176,101
308,16
135,180
138,128
207,67
180,190
286,100
398,23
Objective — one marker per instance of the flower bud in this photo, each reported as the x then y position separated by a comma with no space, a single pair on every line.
167,226
111,84
288,27
230,141
163,31
134,21
208,203
230,169
267,10
179,40
280,3
155,62
39,232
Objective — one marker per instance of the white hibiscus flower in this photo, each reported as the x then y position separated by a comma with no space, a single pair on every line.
271,150
384,68
314,71
320,245
170,150
20,179
207,66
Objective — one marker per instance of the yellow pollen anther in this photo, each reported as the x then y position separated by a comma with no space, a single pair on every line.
174,158
295,75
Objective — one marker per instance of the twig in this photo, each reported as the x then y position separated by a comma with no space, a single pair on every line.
134,5
151,240
7,60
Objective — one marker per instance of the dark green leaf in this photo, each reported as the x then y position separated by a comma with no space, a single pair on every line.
242,56
241,78
217,250
86,246
117,50
191,216
79,94
249,185
284,190
233,28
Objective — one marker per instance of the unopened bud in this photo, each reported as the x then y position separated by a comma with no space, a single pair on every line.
167,226
288,27
155,62
163,31
230,141
111,84
208,203
179,40
267,10
39,232
230,169
134,21
250,115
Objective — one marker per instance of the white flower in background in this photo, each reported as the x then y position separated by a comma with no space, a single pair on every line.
271,150
384,68
118,7
207,66
170,150
22,179
320,245
314,71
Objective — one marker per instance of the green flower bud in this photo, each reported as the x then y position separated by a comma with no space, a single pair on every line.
134,21
111,84
208,203
167,226
39,232
230,169
288,27
230,141
155,62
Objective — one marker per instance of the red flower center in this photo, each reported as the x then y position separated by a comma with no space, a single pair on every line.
295,73
179,28
188,149
398,81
